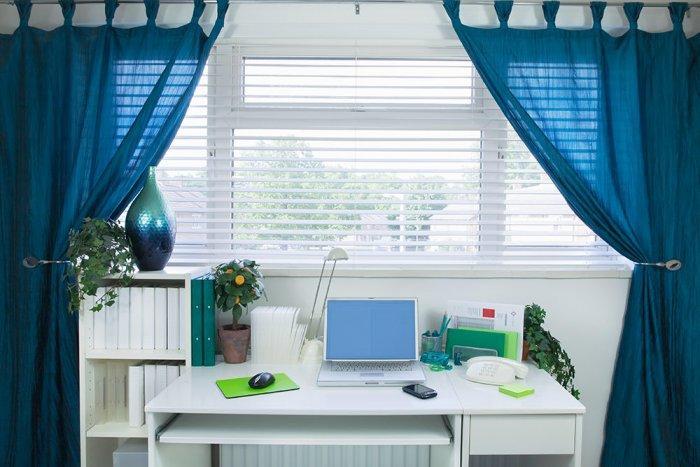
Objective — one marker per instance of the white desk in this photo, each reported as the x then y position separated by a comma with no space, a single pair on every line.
481,420
548,422
311,415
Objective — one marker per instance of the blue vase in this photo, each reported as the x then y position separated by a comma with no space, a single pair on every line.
150,225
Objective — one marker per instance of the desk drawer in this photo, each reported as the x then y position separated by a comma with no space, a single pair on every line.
522,434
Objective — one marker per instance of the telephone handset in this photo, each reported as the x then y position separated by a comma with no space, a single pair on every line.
495,370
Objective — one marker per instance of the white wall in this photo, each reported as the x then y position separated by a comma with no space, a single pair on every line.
584,311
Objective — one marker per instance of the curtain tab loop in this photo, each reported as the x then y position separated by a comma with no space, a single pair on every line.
68,9
677,11
24,9
671,264
598,11
221,9
632,11
503,9
550,9
151,11
110,9
198,10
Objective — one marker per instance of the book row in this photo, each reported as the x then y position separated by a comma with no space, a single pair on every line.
149,318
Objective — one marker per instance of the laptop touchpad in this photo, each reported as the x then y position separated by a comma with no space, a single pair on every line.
372,375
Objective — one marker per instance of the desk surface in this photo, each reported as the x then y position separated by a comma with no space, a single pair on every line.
196,392
549,396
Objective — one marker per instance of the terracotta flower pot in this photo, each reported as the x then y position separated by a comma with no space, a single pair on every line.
235,340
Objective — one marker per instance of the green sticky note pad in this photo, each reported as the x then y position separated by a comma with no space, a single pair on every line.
238,387
516,390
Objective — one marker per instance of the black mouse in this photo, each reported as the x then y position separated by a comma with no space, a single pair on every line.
261,380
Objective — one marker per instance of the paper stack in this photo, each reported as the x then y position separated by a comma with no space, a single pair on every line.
276,334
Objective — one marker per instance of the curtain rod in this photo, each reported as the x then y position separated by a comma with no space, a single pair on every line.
656,4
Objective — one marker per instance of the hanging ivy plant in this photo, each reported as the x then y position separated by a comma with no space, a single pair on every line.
98,249
546,351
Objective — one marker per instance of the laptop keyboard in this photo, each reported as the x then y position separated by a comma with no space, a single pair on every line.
366,367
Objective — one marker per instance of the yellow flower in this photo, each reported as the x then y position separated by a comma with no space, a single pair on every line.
239,280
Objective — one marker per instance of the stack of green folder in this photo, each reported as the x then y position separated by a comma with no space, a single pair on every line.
505,343
203,322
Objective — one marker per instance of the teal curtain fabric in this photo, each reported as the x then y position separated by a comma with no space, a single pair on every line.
83,113
615,122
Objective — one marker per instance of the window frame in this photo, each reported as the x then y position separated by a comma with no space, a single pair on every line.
238,116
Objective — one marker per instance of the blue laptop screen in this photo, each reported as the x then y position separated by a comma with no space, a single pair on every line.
371,329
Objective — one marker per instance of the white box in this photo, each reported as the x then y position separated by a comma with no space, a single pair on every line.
173,318
149,318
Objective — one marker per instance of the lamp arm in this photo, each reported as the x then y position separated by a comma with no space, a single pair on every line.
318,288
323,305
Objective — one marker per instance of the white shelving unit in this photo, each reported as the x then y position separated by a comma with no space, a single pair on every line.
100,432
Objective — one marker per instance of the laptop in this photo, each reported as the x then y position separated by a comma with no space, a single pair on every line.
370,342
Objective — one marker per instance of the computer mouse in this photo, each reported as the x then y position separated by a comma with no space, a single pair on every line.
261,380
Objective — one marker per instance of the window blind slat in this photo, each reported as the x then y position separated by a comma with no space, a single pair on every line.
397,160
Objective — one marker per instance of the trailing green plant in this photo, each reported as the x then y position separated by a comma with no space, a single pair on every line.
546,350
98,249
237,284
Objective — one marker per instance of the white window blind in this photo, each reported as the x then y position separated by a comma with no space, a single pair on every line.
398,160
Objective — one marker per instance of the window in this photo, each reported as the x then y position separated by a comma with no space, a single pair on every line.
399,160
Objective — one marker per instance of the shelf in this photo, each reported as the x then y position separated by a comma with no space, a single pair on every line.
307,430
117,430
168,274
134,354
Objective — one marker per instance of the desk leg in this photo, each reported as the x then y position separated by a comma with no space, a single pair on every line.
575,459
173,455
449,456
466,448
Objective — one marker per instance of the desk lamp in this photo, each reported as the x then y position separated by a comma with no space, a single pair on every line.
312,351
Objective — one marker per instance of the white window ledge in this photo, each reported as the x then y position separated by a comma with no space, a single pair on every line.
466,272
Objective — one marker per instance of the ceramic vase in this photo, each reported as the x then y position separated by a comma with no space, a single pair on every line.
151,227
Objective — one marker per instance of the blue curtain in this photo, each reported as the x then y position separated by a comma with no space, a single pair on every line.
83,113
615,122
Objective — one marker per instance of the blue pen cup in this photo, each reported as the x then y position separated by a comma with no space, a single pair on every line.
430,344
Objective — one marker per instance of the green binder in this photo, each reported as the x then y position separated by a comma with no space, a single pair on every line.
208,323
196,322
238,387
472,337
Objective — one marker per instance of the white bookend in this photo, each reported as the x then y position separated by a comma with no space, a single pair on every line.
136,395
161,378
89,322
181,318
99,322
112,325
161,322
149,383
173,318
123,305
148,309
171,373
136,318
111,391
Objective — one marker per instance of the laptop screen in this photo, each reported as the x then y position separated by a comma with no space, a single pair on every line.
371,329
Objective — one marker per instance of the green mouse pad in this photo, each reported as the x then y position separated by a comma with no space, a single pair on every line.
238,387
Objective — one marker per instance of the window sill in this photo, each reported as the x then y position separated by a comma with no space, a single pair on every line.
455,272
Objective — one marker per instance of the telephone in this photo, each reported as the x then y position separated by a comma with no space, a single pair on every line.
495,370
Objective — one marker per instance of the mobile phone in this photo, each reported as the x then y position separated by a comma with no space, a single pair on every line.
420,391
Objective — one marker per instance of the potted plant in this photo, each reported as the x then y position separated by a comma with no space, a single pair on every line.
236,285
546,351
98,249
